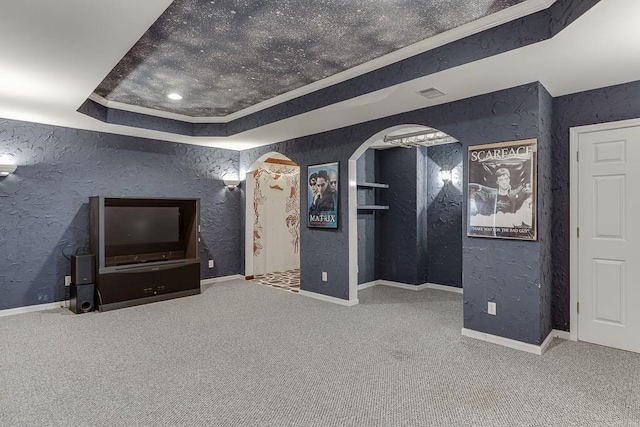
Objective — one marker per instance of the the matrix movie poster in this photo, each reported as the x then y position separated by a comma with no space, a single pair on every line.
323,195
502,190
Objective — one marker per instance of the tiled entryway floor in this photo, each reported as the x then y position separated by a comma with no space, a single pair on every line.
285,280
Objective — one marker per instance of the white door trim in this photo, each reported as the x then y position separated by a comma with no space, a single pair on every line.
574,136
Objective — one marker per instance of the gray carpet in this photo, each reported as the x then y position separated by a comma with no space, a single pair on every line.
242,354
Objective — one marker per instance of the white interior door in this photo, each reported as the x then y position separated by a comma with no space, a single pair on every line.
609,240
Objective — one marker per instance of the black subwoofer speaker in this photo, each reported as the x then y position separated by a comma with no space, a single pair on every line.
82,298
83,269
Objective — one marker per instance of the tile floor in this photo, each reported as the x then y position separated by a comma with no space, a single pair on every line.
285,280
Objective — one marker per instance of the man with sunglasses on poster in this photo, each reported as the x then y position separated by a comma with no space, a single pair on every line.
325,200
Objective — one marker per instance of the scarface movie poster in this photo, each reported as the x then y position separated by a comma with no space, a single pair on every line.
502,190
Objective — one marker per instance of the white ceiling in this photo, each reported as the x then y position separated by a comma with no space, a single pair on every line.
55,54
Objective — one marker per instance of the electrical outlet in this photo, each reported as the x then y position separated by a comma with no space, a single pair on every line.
324,276
491,309
67,280
211,264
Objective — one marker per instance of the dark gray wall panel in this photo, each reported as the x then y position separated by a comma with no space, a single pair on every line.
398,226
545,210
506,272
45,203
564,12
445,216
127,118
608,104
320,249
501,116
367,264
422,216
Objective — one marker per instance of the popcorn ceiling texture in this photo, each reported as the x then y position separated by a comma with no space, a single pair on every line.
45,204
225,55
511,35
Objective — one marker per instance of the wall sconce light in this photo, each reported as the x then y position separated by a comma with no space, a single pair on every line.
231,183
445,174
6,170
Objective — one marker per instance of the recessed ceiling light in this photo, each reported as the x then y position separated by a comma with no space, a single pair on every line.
174,96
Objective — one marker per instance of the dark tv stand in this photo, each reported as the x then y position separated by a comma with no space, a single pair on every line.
126,279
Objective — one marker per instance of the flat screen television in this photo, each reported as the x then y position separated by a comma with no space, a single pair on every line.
141,225
140,231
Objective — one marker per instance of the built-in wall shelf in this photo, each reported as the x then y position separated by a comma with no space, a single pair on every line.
373,208
371,185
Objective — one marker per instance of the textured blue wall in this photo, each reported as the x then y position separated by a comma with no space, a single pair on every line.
505,271
45,203
398,232
445,216
422,215
367,235
545,210
621,102
320,249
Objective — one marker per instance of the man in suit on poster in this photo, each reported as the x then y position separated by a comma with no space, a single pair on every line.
324,200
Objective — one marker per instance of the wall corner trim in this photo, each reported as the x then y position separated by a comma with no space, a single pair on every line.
33,308
368,285
563,335
327,298
221,279
506,342
445,288
410,287
403,285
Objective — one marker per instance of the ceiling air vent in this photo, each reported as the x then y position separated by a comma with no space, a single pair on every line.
431,93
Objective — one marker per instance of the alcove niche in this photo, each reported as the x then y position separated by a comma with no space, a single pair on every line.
405,209
272,246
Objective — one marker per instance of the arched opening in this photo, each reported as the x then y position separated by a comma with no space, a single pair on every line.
425,197
272,245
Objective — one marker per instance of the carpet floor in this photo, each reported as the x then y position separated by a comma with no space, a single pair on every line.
247,355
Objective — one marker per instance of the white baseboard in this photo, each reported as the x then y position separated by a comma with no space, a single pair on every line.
546,342
506,342
368,285
445,288
402,285
327,298
409,287
222,279
32,308
563,335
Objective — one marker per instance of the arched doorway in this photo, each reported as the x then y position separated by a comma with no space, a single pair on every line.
272,246
433,177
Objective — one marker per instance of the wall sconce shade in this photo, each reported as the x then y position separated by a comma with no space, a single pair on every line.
445,174
6,169
231,183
